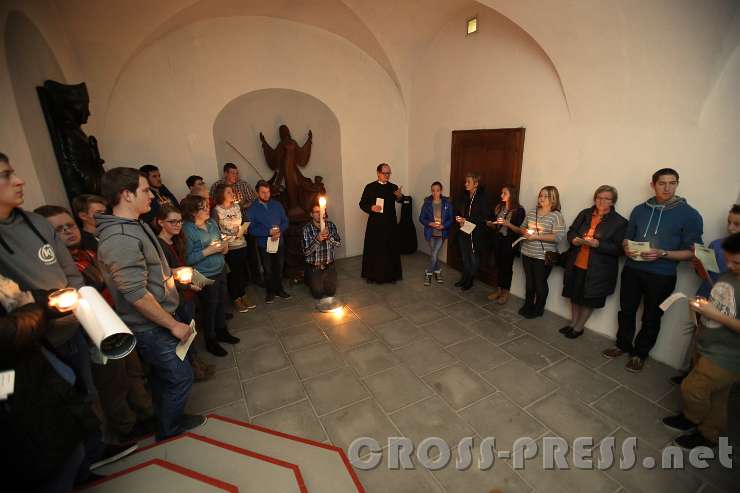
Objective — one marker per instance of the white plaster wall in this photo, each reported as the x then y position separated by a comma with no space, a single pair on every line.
500,77
43,52
165,104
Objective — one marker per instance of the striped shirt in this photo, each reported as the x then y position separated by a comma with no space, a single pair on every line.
319,253
551,223
243,192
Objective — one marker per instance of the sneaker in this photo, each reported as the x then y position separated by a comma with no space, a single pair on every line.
692,441
270,298
612,352
240,306
112,453
191,421
247,302
495,295
284,294
635,364
679,423
428,279
438,277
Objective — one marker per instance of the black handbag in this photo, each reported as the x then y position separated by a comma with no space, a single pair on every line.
551,258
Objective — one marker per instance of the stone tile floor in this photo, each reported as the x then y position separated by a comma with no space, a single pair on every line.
415,361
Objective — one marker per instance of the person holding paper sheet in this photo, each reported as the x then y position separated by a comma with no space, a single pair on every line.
436,216
124,397
381,257
205,250
733,226
169,221
269,222
228,214
33,255
671,226
542,229
472,210
145,295
592,266
508,214
706,389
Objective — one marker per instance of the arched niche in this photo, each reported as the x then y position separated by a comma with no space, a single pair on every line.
243,118
30,62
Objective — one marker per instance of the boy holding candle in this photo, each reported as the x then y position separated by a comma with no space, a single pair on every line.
320,237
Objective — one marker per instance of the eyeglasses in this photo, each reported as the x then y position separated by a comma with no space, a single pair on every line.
174,222
63,228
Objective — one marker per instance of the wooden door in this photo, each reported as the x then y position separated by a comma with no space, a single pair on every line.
496,155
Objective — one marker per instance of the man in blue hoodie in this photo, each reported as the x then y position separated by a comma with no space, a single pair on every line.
268,220
671,226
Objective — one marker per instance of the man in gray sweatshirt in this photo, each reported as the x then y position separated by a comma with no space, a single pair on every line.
145,296
32,255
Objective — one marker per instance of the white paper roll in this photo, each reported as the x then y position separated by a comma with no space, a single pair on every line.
105,328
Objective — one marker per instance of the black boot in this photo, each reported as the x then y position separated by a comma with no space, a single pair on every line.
213,347
222,335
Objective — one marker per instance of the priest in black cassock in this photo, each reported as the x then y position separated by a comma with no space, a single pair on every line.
381,258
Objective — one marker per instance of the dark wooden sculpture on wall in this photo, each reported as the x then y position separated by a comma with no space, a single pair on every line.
296,192
66,108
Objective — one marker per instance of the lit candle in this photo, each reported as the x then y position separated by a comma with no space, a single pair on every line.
64,300
322,211
530,231
184,275
698,301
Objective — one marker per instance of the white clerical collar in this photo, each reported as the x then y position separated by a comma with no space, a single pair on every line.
382,182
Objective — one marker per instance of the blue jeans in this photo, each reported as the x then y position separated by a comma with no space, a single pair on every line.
171,378
435,245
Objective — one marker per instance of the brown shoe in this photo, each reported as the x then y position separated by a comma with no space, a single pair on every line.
612,352
201,369
635,364
247,302
495,294
240,306
504,297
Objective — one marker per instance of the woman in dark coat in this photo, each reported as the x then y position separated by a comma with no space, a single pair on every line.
592,266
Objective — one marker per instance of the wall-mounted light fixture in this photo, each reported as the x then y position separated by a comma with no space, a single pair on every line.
472,25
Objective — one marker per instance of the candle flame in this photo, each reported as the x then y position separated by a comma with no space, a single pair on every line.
322,201
64,300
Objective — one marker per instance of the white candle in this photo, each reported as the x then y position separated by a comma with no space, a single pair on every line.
64,300
322,211
530,231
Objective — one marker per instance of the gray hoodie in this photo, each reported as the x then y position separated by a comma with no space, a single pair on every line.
32,255
134,264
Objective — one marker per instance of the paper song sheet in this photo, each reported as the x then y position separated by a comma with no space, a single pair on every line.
381,202
243,229
182,348
638,247
668,302
272,245
7,384
468,227
707,257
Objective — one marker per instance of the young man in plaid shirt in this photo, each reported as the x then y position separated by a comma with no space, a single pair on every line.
318,247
